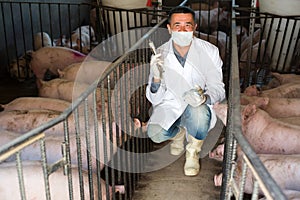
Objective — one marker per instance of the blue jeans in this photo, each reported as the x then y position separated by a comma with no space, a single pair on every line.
195,119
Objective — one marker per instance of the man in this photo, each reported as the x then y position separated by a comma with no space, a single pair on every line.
185,80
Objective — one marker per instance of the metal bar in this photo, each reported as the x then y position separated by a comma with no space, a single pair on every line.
45,168
67,166
276,39
282,44
79,154
70,27
242,181
289,44
88,147
14,35
41,24
255,190
20,176
5,33
17,147
232,110
50,22
105,156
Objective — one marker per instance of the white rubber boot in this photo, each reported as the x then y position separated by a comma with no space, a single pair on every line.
192,165
177,146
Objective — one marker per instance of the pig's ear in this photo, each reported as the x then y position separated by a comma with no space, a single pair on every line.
60,73
266,100
248,111
39,83
277,76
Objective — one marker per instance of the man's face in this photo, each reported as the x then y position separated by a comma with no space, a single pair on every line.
182,22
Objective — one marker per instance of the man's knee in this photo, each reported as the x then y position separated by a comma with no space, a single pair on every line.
155,138
155,133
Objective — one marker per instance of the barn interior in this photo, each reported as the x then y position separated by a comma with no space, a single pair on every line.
112,103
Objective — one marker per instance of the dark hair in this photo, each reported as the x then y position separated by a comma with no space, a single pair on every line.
181,9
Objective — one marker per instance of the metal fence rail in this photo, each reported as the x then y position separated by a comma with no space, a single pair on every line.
276,39
21,21
263,183
102,118
99,139
90,136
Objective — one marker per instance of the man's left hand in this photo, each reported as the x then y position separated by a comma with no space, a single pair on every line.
194,97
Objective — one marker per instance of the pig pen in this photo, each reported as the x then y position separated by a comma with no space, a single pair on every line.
101,148
271,45
115,120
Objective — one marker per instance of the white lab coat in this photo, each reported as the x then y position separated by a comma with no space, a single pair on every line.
203,67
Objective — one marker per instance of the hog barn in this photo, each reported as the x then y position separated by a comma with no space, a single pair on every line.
74,111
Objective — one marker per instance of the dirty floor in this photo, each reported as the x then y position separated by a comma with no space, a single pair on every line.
170,183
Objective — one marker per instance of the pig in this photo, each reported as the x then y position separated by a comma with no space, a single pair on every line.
54,143
264,133
290,194
222,37
29,103
288,90
69,91
280,79
80,42
258,57
275,107
284,169
221,111
81,39
210,20
63,89
22,121
251,90
241,33
290,120
61,41
53,58
20,69
58,183
255,39
42,39
217,153
89,30
223,42
84,72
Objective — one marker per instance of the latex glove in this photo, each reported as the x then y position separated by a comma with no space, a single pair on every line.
156,66
194,97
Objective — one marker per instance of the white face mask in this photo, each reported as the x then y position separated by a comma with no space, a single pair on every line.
182,38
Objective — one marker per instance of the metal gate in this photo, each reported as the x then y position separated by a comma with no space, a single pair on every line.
100,140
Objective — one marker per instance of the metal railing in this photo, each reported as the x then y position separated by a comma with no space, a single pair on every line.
234,136
110,115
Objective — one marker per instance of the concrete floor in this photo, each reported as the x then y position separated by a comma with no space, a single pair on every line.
170,183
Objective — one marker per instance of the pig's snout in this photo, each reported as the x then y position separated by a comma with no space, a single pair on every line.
217,153
120,189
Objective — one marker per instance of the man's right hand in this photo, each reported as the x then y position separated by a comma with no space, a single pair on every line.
156,66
